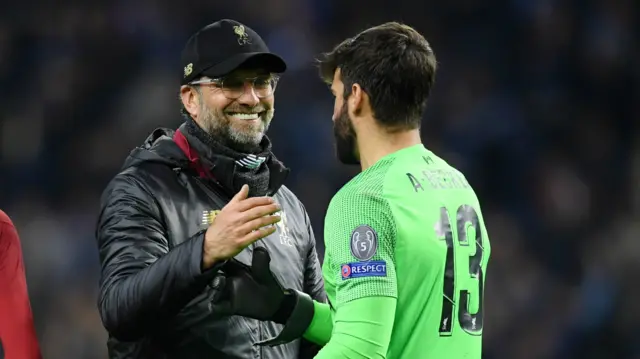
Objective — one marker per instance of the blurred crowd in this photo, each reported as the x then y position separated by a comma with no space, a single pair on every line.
537,102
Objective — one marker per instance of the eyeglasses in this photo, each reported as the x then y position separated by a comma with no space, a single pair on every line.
234,87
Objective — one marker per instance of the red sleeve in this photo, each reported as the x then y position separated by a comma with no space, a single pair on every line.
17,332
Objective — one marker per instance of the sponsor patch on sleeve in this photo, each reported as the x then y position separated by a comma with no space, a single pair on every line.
364,269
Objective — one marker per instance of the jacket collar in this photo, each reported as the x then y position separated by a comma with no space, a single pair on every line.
220,168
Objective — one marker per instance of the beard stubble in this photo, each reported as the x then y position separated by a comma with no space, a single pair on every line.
231,133
345,138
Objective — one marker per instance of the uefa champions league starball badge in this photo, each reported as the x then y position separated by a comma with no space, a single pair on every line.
364,242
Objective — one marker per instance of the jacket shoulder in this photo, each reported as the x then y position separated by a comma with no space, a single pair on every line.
142,174
137,181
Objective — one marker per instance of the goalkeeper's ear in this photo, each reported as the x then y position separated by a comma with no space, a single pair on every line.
260,265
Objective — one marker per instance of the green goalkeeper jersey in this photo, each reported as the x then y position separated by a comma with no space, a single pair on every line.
410,228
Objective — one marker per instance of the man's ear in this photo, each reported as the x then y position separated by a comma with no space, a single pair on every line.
190,100
356,100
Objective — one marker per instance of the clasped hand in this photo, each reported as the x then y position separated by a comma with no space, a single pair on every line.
253,291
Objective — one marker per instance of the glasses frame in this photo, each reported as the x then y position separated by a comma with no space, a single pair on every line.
219,83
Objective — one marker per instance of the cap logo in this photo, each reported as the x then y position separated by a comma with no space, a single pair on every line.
188,70
243,37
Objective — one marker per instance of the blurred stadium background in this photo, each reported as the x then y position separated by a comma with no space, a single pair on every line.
537,102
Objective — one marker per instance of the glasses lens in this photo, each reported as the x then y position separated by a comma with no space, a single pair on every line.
263,86
232,87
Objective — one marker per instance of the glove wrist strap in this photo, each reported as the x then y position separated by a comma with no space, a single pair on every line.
297,323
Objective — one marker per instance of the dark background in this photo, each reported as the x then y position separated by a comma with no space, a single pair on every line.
536,102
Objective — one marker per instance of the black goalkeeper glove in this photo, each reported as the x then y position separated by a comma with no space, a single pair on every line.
254,292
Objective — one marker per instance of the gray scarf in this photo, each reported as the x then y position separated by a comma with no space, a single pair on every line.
249,168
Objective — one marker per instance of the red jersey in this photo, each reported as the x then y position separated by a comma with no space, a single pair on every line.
17,333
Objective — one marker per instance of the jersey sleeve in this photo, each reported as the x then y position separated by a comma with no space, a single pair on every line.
360,238
321,326
362,330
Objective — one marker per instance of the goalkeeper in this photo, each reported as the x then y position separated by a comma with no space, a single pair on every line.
406,245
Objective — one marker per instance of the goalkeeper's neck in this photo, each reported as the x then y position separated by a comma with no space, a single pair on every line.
375,142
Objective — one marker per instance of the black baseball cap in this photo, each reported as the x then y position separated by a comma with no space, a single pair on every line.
219,48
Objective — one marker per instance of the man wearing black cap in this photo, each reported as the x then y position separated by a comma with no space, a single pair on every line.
186,201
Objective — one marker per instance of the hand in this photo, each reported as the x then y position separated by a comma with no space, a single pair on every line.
253,292
241,222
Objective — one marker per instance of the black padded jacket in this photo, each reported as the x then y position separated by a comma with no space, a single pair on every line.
154,298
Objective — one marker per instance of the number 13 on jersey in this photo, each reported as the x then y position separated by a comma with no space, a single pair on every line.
464,242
